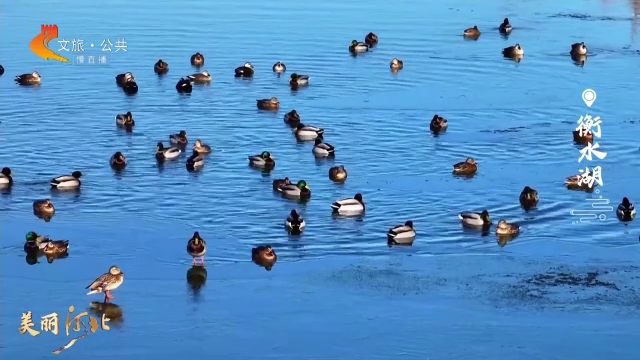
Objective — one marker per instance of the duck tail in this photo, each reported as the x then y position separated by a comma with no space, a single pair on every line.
460,216
94,291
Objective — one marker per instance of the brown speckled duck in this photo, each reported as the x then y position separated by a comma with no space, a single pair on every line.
467,167
264,256
106,283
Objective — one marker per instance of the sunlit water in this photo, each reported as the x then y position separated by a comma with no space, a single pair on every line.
337,292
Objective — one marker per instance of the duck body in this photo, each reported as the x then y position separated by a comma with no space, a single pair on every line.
322,149
179,139
161,67
529,198
55,247
29,79
122,79
195,161
264,256
308,133
197,247
513,51
201,77
472,32
473,219
626,211
578,49
371,39
106,283
279,67
184,86
338,174
170,153
294,224
118,161
468,167
505,28
244,71
505,228
582,137
396,64
576,183
201,148
438,124
1,70
6,178
43,207
268,104
279,183
401,234
292,118
296,191
130,88
67,182
262,161
358,47
349,207
197,59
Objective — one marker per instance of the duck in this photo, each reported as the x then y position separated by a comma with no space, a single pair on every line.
264,256
322,149
298,191
197,248
197,59
201,147
472,32
295,224
161,67
201,77
581,136
396,64
43,207
514,51
467,167
505,228
292,118
118,161
106,283
6,177
350,207
55,247
576,182
505,28
125,121
268,104
184,86
626,211
35,242
179,139
170,153
438,124
474,219
529,197
358,47
279,67
195,162
279,183
298,80
244,71
578,49
29,79
401,234
130,88
1,70
371,39
122,79
338,174
262,161
307,133
67,182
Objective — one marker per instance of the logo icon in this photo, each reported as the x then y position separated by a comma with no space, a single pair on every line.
40,44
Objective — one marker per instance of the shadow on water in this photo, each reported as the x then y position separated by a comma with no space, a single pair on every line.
196,278
111,311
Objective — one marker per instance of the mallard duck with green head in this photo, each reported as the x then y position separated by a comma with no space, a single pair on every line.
358,47
67,182
125,121
170,153
307,133
262,161
35,242
298,80
401,234
292,118
6,177
296,191
349,207
473,219
197,248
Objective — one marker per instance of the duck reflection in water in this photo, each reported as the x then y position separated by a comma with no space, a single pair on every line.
264,256
110,311
503,240
196,278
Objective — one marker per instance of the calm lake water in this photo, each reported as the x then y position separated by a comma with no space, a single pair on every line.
336,292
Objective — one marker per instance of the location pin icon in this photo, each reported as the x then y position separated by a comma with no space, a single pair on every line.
589,97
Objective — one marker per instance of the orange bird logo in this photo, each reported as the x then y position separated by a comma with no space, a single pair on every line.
40,44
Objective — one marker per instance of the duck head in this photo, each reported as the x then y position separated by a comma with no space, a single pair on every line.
35,75
119,158
274,101
159,147
248,65
626,202
319,140
182,134
6,171
484,215
409,224
358,197
76,174
206,73
294,77
505,21
114,270
470,161
302,185
197,240
265,155
31,236
354,42
129,77
294,214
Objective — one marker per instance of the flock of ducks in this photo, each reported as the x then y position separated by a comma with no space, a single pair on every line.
265,256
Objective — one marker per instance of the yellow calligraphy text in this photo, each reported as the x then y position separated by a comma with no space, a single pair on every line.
49,323
27,325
